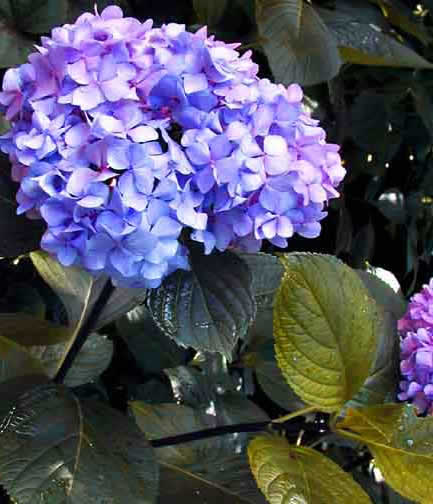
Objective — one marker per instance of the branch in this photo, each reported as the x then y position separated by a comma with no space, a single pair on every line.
84,331
291,428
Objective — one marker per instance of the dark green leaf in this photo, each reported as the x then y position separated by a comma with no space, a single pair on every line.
207,308
267,272
18,234
372,125
92,360
40,442
363,42
391,204
27,330
78,291
39,16
307,55
16,361
210,12
215,466
152,349
14,49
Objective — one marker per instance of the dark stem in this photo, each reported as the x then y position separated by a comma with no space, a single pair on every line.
291,428
85,330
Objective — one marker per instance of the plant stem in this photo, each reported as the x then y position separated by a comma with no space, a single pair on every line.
292,428
294,414
84,331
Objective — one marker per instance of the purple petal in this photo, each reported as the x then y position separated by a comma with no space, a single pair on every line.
275,145
166,227
79,179
198,153
143,134
78,72
87,97
77,135
115,89
194,83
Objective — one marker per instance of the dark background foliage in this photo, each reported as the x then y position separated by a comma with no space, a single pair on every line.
378,107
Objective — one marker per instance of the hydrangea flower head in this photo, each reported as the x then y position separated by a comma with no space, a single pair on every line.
416,329
128,140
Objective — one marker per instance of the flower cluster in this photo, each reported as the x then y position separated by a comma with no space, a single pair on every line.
416,328
124,135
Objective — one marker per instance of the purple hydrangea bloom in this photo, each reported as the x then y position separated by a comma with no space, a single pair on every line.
416,329
125,135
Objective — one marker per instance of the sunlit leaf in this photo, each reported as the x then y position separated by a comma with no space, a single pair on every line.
297,43
214,466
325,329
210,12
401,444
299,474
361,41
208,308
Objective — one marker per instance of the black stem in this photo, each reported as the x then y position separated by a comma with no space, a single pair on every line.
85,330
290,427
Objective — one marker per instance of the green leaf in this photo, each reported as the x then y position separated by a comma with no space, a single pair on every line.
52,451
78,291
401,444
207,308
210,12
28,330
362,41
374,125
385,290
299,474
14,49
39,16
40,441
18,234
213,467
423,105
401,16
271,379
152,349
392,205
296,41
92,360
202,382
325,329
267,272
117,463
16,361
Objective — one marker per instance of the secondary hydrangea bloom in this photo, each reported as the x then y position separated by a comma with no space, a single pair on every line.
128,140
416,328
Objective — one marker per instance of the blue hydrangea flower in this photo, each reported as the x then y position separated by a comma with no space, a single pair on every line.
128,140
